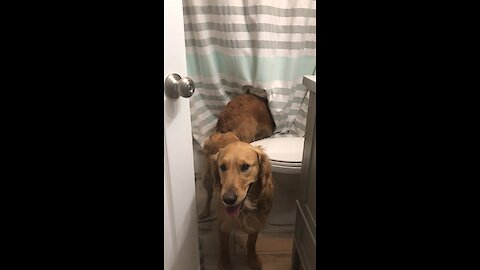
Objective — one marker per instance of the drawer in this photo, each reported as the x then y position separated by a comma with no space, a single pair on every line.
305,240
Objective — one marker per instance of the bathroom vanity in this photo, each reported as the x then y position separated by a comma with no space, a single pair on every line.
304,248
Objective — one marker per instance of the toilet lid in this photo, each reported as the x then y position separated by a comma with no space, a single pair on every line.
285,149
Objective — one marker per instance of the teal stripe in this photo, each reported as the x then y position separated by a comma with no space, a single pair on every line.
250,10
261,69
257,44
250,27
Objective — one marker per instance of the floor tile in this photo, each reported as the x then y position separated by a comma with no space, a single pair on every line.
269,262
266,243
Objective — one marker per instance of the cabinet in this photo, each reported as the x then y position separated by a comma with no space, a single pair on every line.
304,247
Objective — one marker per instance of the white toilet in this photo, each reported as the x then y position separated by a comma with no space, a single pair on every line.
285,155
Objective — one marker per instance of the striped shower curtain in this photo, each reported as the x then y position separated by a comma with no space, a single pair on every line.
267,44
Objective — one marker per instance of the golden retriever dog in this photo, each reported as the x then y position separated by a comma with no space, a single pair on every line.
238,176
243,194
246,118
211,147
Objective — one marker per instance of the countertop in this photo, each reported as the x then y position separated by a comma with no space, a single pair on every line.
310,81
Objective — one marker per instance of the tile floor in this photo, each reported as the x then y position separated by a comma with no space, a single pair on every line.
274,247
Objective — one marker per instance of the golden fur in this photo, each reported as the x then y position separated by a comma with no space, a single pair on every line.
258,202
245,119
211,147
231,176
248,117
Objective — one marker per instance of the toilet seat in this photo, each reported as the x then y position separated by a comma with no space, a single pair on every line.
285,153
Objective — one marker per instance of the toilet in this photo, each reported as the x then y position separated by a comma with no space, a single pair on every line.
285,155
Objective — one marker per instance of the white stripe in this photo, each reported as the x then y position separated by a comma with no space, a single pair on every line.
295,106
216,79
211,92
209,128
201,117
300,93
262,85
279,98
255,18
198,105
221,91
241,36
252,52
242,3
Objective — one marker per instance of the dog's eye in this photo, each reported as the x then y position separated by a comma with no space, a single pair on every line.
244,167
223,167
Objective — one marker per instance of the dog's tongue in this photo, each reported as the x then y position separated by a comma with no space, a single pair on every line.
233,211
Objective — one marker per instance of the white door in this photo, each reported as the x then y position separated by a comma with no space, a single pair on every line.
181,250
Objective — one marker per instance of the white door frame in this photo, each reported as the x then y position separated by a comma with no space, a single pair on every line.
181,250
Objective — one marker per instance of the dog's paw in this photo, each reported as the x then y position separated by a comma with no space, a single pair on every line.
254,262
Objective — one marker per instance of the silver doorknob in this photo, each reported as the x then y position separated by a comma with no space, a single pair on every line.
176,86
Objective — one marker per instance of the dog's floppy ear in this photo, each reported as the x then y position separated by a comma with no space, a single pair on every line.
266,181
209,146
214,170
265,173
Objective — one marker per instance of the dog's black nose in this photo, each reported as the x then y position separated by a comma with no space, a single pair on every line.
229,197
